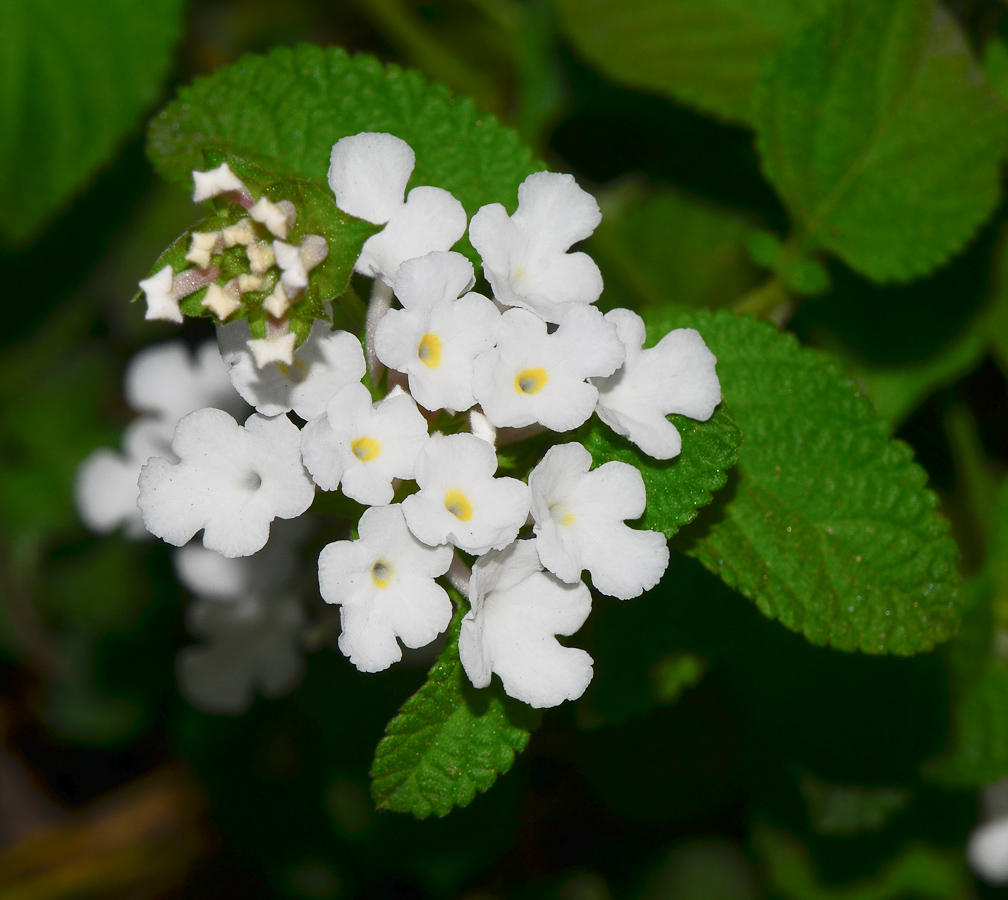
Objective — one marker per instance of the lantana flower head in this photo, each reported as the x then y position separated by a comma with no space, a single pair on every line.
677,375
460,501
525,256
368,173
579,523
364,446
534,376
438,333
230,480
516,612
384,583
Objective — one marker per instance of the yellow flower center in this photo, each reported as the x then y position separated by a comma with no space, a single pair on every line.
429,350
561,515
365,448
296,373
381,573
530,381
458,505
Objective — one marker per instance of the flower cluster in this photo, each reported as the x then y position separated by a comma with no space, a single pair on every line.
408,424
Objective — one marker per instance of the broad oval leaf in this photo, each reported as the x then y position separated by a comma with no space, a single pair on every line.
882,137
76,79
707,53
285,110
826,522
449,740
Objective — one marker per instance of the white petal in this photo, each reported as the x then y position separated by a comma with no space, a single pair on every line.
273,349
384,582
230,480
460,501
987,851
278,218
676,376
161,302
368,173
512,625
215,182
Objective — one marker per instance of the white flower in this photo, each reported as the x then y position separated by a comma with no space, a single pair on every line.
579,523
222,301
162,302
525,257
385,586
987,851
368,173
105,489
202,245
364,446
532,376
169,380
517,610
677,375
253,643
296,262
277,217
325,362
277,347
460,501
231,481
437,334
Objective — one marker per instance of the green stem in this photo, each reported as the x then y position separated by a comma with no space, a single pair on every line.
771,300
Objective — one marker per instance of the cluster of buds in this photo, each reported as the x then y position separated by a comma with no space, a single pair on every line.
409,422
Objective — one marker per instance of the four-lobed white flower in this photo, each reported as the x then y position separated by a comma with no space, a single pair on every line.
368,173
230,480
325,362
363,446
459,501
384,583
534,376
525,256
517,610
579,523
438,333
677,375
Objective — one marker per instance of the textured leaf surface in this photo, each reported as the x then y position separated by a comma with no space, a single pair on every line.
882,136
676,488
75,78
707,53
449,740
826,522
663,247
285,110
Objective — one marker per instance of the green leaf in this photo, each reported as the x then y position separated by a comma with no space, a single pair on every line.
995,65
918,871
706,53
449,740
826,523
663,246
76,79
850,809
285,110
676,488
882,136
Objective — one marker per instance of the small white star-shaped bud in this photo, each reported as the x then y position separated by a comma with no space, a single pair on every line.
221,301
202,245
364,446
261,257
525,256
677,375
277,217
579,523
296,262
277,348
161,300
437,334
384,583
460,501
368,173
517,610
277,303
241,232
249,282
230,480
325,362
533,376
214,182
